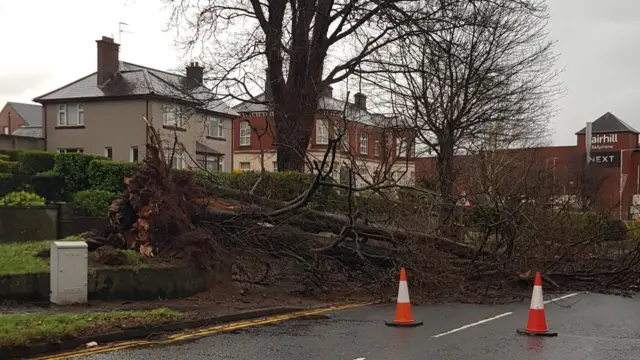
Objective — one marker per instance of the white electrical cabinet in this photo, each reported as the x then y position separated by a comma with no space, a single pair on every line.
69,272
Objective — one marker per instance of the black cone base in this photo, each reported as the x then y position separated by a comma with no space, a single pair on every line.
532,333
411,324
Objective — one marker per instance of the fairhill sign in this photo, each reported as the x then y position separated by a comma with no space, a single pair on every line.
603,141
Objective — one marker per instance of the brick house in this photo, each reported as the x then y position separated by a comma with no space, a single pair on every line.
102,113
373,146
614,162
21,119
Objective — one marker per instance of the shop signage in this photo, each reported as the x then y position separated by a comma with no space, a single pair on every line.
603,141
606,159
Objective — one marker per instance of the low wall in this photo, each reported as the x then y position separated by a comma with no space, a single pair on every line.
27,224
120,284
49,222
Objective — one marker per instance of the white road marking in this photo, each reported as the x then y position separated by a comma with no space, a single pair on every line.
498,317
474,324
562,298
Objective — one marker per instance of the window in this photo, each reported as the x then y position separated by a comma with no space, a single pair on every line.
245,134
172,117
401,148
364,144
211,163
70,115
70,151
108,152
214,128
322,132
376,147
133,154
5,130
177,162
245,166
275,166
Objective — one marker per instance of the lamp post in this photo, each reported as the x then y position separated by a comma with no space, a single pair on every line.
621,180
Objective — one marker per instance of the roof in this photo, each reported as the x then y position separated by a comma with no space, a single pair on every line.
31,113
132,80
353,113
609,123
202,148
29,131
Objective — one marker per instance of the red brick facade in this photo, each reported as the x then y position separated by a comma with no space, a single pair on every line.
10,119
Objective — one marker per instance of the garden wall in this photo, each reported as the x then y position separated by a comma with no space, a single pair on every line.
120,283
44,223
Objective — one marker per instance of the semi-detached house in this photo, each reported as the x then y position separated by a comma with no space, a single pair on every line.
102,113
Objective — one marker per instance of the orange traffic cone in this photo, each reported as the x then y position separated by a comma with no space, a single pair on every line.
537,323
404,317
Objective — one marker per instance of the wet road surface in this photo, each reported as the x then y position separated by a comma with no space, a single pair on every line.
589,326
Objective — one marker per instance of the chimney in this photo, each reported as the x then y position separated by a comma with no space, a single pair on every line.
268,93
108,60
195,75
360,100
328,91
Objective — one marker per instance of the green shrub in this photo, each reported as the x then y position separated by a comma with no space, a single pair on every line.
9,166
22,198
11,153
48,185
109,175
74,170
93,202
12,182
4,157
34,162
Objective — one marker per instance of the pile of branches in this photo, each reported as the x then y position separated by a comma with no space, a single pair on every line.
177,216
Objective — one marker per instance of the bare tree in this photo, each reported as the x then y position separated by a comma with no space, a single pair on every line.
484,78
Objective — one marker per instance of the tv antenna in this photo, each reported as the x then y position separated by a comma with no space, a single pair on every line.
121,31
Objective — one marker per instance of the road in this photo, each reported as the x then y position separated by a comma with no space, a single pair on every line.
589,326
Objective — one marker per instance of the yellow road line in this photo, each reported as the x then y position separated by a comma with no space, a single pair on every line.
198,333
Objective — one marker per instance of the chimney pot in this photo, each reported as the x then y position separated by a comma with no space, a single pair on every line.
360,101
108,59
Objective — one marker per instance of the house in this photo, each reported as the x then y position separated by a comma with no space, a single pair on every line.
21,119
103,113
372,145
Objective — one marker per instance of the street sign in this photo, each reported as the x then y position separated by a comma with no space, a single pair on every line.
463,201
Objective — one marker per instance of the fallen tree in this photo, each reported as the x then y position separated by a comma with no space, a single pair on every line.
181,216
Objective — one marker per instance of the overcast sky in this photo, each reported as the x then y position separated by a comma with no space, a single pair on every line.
47,44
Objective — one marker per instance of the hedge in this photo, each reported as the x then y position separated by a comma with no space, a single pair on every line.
73,168
22,198
12,182
34,162
93,202
109,175
12,153
9,166
48,185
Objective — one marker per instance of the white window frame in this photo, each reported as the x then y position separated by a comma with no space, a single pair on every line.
106,152
171,117
364,143
322,132
80,111
5,130
215,131
245,162
376,146
62,115
178,162
131,154
245,133
275,166
67,151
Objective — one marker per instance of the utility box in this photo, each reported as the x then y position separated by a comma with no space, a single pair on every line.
69,272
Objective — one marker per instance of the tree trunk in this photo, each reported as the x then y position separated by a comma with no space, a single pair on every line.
446,186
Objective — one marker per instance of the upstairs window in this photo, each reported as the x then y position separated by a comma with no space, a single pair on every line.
364,144
214,127
322,132
245,133
70,115
172,116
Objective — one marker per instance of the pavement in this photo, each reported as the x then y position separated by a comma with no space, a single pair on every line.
589,326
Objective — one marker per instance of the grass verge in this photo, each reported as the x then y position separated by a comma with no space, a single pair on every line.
20,258
27,329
